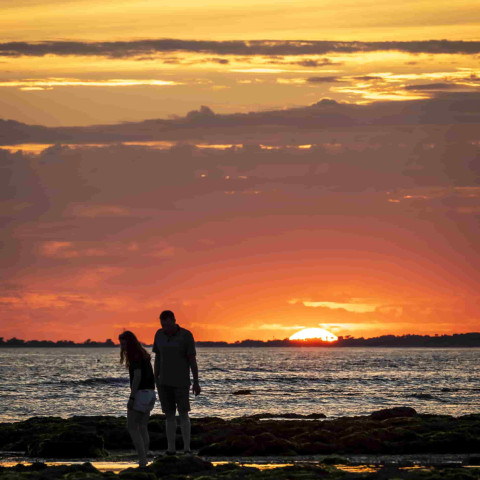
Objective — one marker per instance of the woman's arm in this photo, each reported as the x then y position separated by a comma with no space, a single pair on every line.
137,375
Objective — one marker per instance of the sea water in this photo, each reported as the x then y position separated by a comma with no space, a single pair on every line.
334,381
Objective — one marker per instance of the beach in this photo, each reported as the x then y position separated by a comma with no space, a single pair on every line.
393,441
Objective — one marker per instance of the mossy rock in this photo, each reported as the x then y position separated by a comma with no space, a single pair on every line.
69,444
314,448
393,413
359,443
137,474
268,444
169,465
233,445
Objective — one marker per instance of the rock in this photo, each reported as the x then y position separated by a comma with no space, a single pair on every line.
242,392
359,443
137,474
118,437
170,465
233,445
316,415
41,472
472,460
314,448
268,444
393,412
69,444
334,460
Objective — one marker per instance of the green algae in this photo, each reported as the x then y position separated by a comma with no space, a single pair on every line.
383,432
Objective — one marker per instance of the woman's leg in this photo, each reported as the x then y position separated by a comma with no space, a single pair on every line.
144,431
133,425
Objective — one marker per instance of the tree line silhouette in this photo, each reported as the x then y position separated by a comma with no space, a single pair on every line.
455,340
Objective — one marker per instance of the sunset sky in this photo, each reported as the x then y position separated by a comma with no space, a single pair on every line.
257,167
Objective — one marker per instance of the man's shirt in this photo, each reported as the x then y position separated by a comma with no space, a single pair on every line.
174,351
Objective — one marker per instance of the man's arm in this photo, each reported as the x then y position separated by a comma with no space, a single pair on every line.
192,360
156,368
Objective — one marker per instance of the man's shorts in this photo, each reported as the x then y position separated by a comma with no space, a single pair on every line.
173,398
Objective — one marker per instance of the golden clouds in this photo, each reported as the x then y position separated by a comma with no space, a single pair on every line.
47,84
342,20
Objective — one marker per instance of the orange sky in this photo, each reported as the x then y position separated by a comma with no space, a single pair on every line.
267,210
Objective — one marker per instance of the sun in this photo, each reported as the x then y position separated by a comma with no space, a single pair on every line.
310,333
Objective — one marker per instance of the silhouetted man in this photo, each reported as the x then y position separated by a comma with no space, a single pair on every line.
175,356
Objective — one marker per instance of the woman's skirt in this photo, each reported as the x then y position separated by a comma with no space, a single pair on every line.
144,400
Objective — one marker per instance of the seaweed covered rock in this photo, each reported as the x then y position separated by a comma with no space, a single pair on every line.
397,430
40,471
137,474
232,445
393,412
68,444
359,443
268,444
263,444
174,465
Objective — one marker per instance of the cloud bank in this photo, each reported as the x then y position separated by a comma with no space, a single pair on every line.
305,124
125,49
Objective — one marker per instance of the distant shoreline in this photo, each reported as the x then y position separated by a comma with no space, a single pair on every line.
462,340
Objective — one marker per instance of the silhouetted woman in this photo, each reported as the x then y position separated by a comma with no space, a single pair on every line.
142,392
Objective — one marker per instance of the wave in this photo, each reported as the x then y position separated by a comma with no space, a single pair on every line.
426,396
104,381
92,381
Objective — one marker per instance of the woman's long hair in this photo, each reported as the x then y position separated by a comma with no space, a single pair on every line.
133,351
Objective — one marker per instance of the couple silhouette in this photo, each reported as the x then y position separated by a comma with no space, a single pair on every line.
175,358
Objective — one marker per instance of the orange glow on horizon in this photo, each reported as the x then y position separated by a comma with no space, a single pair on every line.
314,333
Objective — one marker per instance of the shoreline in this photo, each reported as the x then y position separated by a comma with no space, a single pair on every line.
127,459
191,467
398,430
395,443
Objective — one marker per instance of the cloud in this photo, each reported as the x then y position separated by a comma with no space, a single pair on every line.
432,86
46,84
443,108
331,79
43,300
251,47
354,307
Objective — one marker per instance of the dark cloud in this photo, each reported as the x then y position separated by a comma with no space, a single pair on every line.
316,63
255,47
306,62
304,123
330,79
368,77
433,86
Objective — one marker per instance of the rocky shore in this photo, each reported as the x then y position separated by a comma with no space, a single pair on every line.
392,431
196,468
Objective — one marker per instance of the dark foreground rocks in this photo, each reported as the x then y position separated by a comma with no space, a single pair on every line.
183,468
391,431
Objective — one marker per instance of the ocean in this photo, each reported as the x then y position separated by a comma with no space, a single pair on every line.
334,381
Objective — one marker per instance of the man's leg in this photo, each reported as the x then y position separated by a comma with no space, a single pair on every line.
183,404
171,430
166,394
185,426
